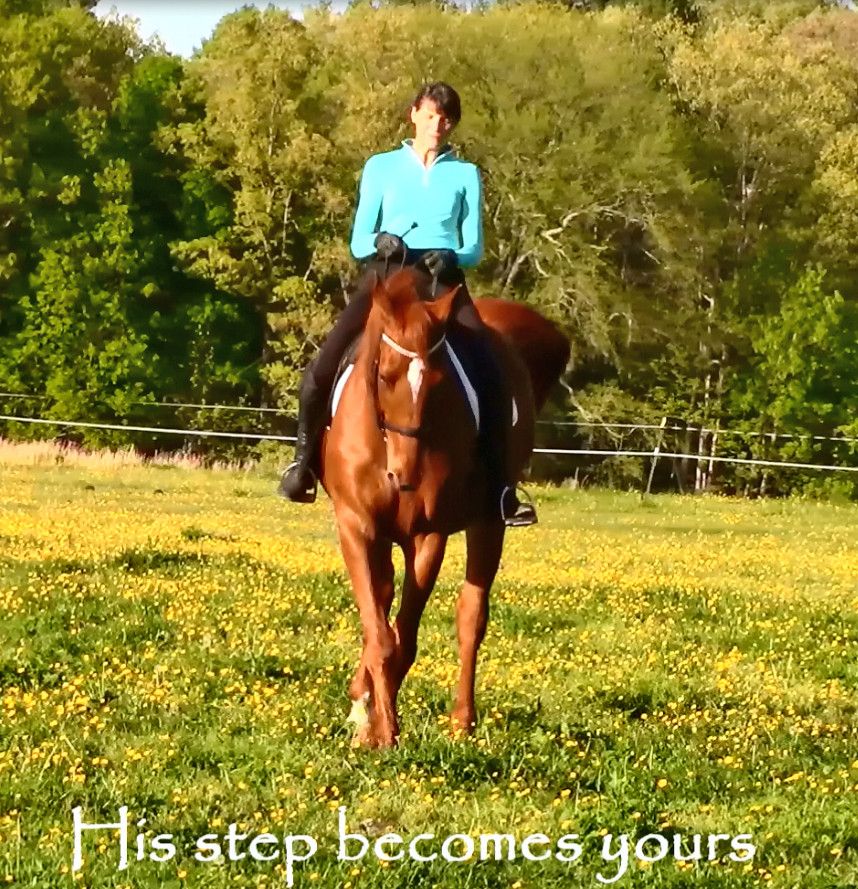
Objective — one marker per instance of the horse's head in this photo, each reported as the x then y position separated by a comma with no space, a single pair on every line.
412,334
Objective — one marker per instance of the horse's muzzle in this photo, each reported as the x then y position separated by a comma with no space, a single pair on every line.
401,487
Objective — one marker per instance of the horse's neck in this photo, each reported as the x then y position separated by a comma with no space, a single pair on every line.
366,357
364,377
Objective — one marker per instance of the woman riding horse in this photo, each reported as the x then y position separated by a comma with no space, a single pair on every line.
419,205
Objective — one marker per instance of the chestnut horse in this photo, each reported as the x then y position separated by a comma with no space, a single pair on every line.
401,464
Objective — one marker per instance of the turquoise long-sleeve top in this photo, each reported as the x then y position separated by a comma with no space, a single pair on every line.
433,207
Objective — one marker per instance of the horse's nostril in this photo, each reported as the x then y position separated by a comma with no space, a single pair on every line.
396,481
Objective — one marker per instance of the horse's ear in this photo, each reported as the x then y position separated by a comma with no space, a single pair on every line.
380,295
441,307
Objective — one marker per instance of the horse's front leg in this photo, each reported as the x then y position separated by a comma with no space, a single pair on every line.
423,558
360,690
370,569
484,544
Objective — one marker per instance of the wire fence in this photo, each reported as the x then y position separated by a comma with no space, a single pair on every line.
579,424
193,433
655,454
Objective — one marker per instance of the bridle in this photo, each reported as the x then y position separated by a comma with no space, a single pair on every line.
415,375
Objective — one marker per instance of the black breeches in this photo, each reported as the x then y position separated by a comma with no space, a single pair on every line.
349,324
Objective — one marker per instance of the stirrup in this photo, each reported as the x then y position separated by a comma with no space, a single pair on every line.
307,494
525,513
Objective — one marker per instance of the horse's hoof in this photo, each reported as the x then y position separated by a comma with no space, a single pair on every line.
362,738
463,722
359,713
387,741
360,718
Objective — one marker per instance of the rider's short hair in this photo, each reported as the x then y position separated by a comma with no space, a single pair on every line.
444,96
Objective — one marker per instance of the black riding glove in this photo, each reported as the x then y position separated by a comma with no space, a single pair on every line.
440,262
389,246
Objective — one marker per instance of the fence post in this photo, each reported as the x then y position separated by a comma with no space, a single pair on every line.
699,470
655,453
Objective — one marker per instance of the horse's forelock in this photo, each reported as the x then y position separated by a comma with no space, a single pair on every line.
401,289
404,308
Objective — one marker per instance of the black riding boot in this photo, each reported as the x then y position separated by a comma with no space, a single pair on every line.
495,433
502,489
299,480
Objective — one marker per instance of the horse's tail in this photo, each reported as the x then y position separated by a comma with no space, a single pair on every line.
544,349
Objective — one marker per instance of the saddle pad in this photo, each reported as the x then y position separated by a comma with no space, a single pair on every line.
465,384
340,384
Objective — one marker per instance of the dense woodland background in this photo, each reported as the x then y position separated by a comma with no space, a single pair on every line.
675,183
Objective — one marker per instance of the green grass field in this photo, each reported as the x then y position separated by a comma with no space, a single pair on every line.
180,642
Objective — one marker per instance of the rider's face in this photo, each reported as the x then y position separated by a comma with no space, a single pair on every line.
431,125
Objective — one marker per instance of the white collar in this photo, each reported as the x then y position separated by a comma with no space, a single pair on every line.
444,152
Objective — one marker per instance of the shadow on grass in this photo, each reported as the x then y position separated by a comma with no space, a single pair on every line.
156,560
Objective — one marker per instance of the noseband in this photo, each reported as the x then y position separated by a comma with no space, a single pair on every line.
415,374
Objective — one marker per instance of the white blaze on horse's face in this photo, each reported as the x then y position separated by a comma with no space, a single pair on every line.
416,368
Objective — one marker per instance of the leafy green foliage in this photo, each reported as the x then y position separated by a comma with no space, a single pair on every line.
658,178
803,374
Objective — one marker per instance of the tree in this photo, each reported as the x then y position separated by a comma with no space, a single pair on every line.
97,318
580,180
259,139
42,7
205,340
801,378
837,183
80,344
59,73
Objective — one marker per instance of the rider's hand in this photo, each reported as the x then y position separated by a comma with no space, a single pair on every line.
388,246
438,262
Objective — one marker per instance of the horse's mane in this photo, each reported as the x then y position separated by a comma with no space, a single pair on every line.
403,290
